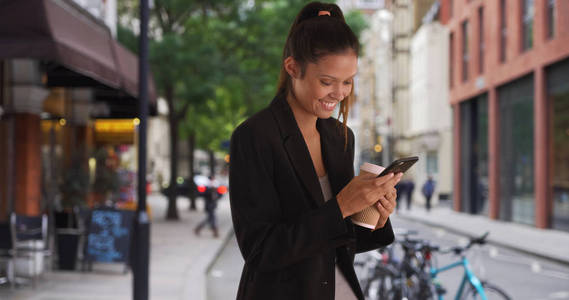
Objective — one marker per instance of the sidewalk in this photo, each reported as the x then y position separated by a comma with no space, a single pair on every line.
177,265
547,243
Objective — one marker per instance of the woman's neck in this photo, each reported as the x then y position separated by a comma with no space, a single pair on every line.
305,120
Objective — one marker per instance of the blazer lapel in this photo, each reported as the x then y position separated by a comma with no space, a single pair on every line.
296,148
336,160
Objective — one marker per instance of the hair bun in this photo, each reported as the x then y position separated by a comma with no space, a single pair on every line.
314,9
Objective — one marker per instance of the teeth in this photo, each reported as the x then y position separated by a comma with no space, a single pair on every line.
329,105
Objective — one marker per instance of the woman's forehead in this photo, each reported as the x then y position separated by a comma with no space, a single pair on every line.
337,66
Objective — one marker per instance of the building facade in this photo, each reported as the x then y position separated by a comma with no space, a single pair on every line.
430,125
59,74
367,7
509,89
374,92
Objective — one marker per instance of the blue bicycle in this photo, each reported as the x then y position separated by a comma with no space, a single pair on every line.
470,287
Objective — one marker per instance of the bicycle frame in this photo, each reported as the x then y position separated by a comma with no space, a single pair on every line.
468,277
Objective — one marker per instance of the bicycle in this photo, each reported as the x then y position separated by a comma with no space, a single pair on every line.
471,287
386,277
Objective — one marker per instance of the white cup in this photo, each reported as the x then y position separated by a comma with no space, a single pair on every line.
368,217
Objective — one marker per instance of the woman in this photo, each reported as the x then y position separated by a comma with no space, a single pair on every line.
291,175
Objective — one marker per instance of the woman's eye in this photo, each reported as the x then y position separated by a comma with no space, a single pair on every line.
325,83
347,82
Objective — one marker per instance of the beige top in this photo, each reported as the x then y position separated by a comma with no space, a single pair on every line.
343,289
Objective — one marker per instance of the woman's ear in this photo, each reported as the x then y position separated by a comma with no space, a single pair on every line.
292,67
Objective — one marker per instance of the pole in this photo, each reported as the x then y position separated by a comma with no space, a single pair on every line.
141,249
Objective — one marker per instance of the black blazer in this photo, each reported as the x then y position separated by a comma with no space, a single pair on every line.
290,238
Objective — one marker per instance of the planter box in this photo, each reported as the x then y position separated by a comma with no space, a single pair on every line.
67,246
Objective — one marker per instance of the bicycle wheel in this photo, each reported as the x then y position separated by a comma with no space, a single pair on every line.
492,292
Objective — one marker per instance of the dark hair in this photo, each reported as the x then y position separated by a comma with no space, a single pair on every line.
311,37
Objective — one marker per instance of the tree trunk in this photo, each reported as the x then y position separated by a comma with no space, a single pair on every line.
211,163
172,211
192,190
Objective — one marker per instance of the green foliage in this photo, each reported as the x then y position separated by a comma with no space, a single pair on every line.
222,58
357,22
249,41
75,185
106,177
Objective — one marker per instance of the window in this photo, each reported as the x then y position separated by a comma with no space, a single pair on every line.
516,134
451,60
432,163
550,18
527,24
481,44
465,56
503,31
474,154
557,77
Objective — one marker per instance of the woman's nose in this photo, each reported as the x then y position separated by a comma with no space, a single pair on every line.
337,93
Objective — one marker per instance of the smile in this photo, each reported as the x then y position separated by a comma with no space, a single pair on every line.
328,105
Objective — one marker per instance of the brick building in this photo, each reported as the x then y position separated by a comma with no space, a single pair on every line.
509,89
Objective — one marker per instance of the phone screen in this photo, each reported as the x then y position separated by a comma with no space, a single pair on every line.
400,165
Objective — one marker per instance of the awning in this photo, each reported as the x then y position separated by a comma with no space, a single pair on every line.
78,49
127,64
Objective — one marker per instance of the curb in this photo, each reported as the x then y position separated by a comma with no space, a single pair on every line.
491,241
220,249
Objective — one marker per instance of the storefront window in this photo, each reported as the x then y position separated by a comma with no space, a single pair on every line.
517,198
558,96
474,155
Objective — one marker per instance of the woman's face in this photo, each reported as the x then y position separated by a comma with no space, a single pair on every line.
325,84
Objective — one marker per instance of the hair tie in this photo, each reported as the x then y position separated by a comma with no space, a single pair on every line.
323,13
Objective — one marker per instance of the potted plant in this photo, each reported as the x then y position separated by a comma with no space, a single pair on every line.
74,188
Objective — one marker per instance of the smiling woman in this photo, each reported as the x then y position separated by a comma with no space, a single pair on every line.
292,178
324,85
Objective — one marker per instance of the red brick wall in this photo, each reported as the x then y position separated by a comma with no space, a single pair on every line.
27,164
544,51
518,63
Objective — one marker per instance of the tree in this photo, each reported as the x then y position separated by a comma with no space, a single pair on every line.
181,59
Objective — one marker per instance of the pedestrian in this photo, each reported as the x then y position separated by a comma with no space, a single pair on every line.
292,178
410,187
401,189
210,197
428,189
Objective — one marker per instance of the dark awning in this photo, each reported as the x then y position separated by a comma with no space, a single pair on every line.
127,64
78,49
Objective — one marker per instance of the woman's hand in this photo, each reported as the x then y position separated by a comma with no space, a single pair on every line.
364,191
386,206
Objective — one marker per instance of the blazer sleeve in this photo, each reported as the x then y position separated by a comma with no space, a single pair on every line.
367,239
267,241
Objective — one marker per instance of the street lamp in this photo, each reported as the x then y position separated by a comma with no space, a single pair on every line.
141,236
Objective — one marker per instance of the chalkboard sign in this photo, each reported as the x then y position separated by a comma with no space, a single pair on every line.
108,237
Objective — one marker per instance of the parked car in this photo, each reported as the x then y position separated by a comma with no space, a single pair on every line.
200,185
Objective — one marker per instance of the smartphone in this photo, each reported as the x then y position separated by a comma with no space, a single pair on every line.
399,166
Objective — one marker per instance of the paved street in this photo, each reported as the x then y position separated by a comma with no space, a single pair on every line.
523,276
178,263
184,266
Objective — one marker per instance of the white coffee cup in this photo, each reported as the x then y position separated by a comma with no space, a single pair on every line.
368,217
